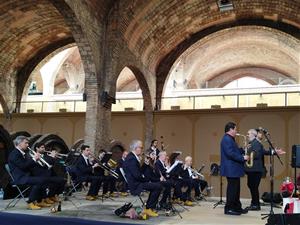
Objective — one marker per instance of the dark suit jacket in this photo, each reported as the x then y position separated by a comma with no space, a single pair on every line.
258,159
20,166
184,173
38,170
150,173
133,174
82,169
232,160
160,169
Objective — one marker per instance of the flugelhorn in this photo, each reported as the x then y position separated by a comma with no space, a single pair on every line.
40,161
249,162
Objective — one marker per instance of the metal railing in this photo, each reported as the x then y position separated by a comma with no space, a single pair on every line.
185,99
232,100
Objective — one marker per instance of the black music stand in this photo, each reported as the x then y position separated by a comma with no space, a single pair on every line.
215,171
272,153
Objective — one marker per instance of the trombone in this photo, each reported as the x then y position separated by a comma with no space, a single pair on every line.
58,155
105,167
40,161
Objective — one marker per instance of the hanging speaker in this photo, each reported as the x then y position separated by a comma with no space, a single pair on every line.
84,97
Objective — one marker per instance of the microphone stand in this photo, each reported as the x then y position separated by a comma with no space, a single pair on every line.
272,153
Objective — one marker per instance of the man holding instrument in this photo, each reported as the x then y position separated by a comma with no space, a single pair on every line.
254,173
20,162
56,183
232,167
85,173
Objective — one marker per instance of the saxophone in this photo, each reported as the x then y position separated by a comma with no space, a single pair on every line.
249,162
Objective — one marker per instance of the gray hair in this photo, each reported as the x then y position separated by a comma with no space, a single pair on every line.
134,144
162,153
19,139
253,131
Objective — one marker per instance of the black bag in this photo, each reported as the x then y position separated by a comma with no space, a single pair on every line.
266,197
123,209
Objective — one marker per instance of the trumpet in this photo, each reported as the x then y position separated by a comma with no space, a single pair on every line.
40,161
58,155
249,163
106,167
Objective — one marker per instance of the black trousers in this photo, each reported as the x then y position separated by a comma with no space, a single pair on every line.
56,185
233,194
38,188
155,189
253,181
197,185
95,184
187,183
109,184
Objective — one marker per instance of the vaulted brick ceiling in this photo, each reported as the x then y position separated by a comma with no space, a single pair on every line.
154,28
26,28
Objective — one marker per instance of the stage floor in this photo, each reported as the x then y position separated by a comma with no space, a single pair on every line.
201,213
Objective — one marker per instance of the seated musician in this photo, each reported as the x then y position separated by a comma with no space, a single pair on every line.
154,147
109,182
176,171
153,175
20,163
56,183
85,173
196,183
124,185
137,182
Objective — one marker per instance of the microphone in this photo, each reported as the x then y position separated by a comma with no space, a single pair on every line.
263,130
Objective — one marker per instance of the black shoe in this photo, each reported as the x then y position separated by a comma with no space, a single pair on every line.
199,198
243,211
161,206
254,207
232,212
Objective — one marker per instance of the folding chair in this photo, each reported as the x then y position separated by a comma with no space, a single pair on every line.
72,178
19,188
139,196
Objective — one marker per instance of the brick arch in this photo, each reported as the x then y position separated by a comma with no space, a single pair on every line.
262,73
83,45
143,85
72,13
166,63
4,107
25,72
125,78
43,62
152,29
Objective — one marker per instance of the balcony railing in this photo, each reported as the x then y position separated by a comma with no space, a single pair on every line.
185,99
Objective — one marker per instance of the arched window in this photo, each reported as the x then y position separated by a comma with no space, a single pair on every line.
247,82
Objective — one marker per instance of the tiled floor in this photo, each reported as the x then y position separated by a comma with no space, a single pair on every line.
201,213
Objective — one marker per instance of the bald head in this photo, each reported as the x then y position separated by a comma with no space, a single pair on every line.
188,161
162,156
